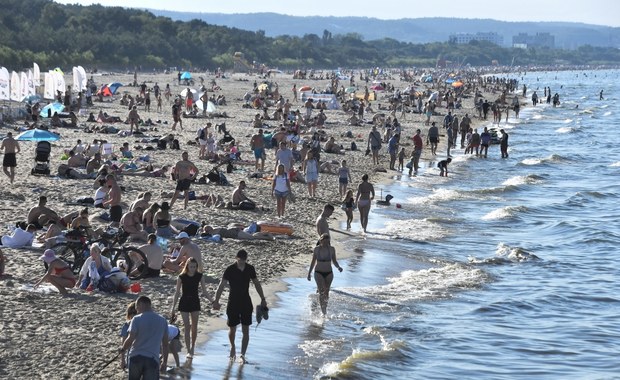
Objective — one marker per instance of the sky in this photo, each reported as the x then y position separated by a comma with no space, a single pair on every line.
598,12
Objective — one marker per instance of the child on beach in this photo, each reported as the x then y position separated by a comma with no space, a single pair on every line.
348,204
443,167
401,160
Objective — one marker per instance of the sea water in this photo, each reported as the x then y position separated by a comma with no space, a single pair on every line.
506,269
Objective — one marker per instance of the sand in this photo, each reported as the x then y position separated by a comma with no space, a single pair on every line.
46,335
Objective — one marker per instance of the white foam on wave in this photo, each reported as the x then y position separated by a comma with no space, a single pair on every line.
615,164
437,196
607,113
566,130
414,229
532,161
503,213
521,180
432,283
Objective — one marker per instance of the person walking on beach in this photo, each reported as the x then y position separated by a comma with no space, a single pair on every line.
176,114
365,195
485,140
134,118
322,258
239,306
600,95
433,137
344,176
9,163
349,204
189,305
280,189
322,225
503,143
374,144
418,145
310,167
465,124
184,173
257,144
148,337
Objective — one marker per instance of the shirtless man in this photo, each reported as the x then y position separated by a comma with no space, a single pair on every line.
184,172
239,197
322,226
257,143
188,249
11,148
132,224
76,160
134,118
40,215
176,114
113,200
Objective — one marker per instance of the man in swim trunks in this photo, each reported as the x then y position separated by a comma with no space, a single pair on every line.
113,200
322,225
257,143
239,307
11,148
184,172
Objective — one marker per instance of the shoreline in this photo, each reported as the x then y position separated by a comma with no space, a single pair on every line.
274,260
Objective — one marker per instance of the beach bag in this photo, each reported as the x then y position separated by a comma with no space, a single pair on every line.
213,176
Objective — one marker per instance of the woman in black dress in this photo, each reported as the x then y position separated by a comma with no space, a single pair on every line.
189,305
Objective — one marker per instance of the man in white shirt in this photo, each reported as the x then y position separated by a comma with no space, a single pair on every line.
20,238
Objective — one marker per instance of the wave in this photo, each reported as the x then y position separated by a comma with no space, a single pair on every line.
505,213
537,161
615,164
425,284
568,130
414,229
437,196
505,254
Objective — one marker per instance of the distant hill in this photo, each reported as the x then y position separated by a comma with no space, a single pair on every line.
568,35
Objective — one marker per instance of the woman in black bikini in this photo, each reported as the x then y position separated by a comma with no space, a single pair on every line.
324,255
188,283
162,220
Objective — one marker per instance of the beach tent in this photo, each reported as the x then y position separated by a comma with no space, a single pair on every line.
79,79
186,75
54,107
36,74
329,99
37,135
49,91
15,87
5,81
109,89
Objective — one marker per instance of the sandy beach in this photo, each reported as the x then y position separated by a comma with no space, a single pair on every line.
46,335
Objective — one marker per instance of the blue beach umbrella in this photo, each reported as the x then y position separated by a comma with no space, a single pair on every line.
55,107
32,99
37,135
186,75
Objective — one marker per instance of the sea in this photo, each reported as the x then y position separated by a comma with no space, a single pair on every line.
505,269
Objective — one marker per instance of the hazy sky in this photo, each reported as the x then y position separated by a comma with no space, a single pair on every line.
599,12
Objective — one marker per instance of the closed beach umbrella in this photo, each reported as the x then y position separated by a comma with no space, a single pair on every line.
186,75
37,135
55,107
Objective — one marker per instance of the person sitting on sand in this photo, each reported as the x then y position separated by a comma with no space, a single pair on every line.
19,238
142,202
188,249
41,214
148,217
162,220
147,171
101,264
131,222
154,256
93,164
332,147
76,160
241,201
58,273
49,238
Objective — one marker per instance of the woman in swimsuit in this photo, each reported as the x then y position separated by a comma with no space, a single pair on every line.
162,219
187,286
324,255
348,204
365,195
58,272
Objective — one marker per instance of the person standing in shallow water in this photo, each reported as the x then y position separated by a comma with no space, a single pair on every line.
322,258
365,195
503,143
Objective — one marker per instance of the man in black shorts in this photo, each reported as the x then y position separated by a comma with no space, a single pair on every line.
9,162
239,307
184,172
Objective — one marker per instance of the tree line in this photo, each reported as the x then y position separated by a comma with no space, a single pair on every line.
94,36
